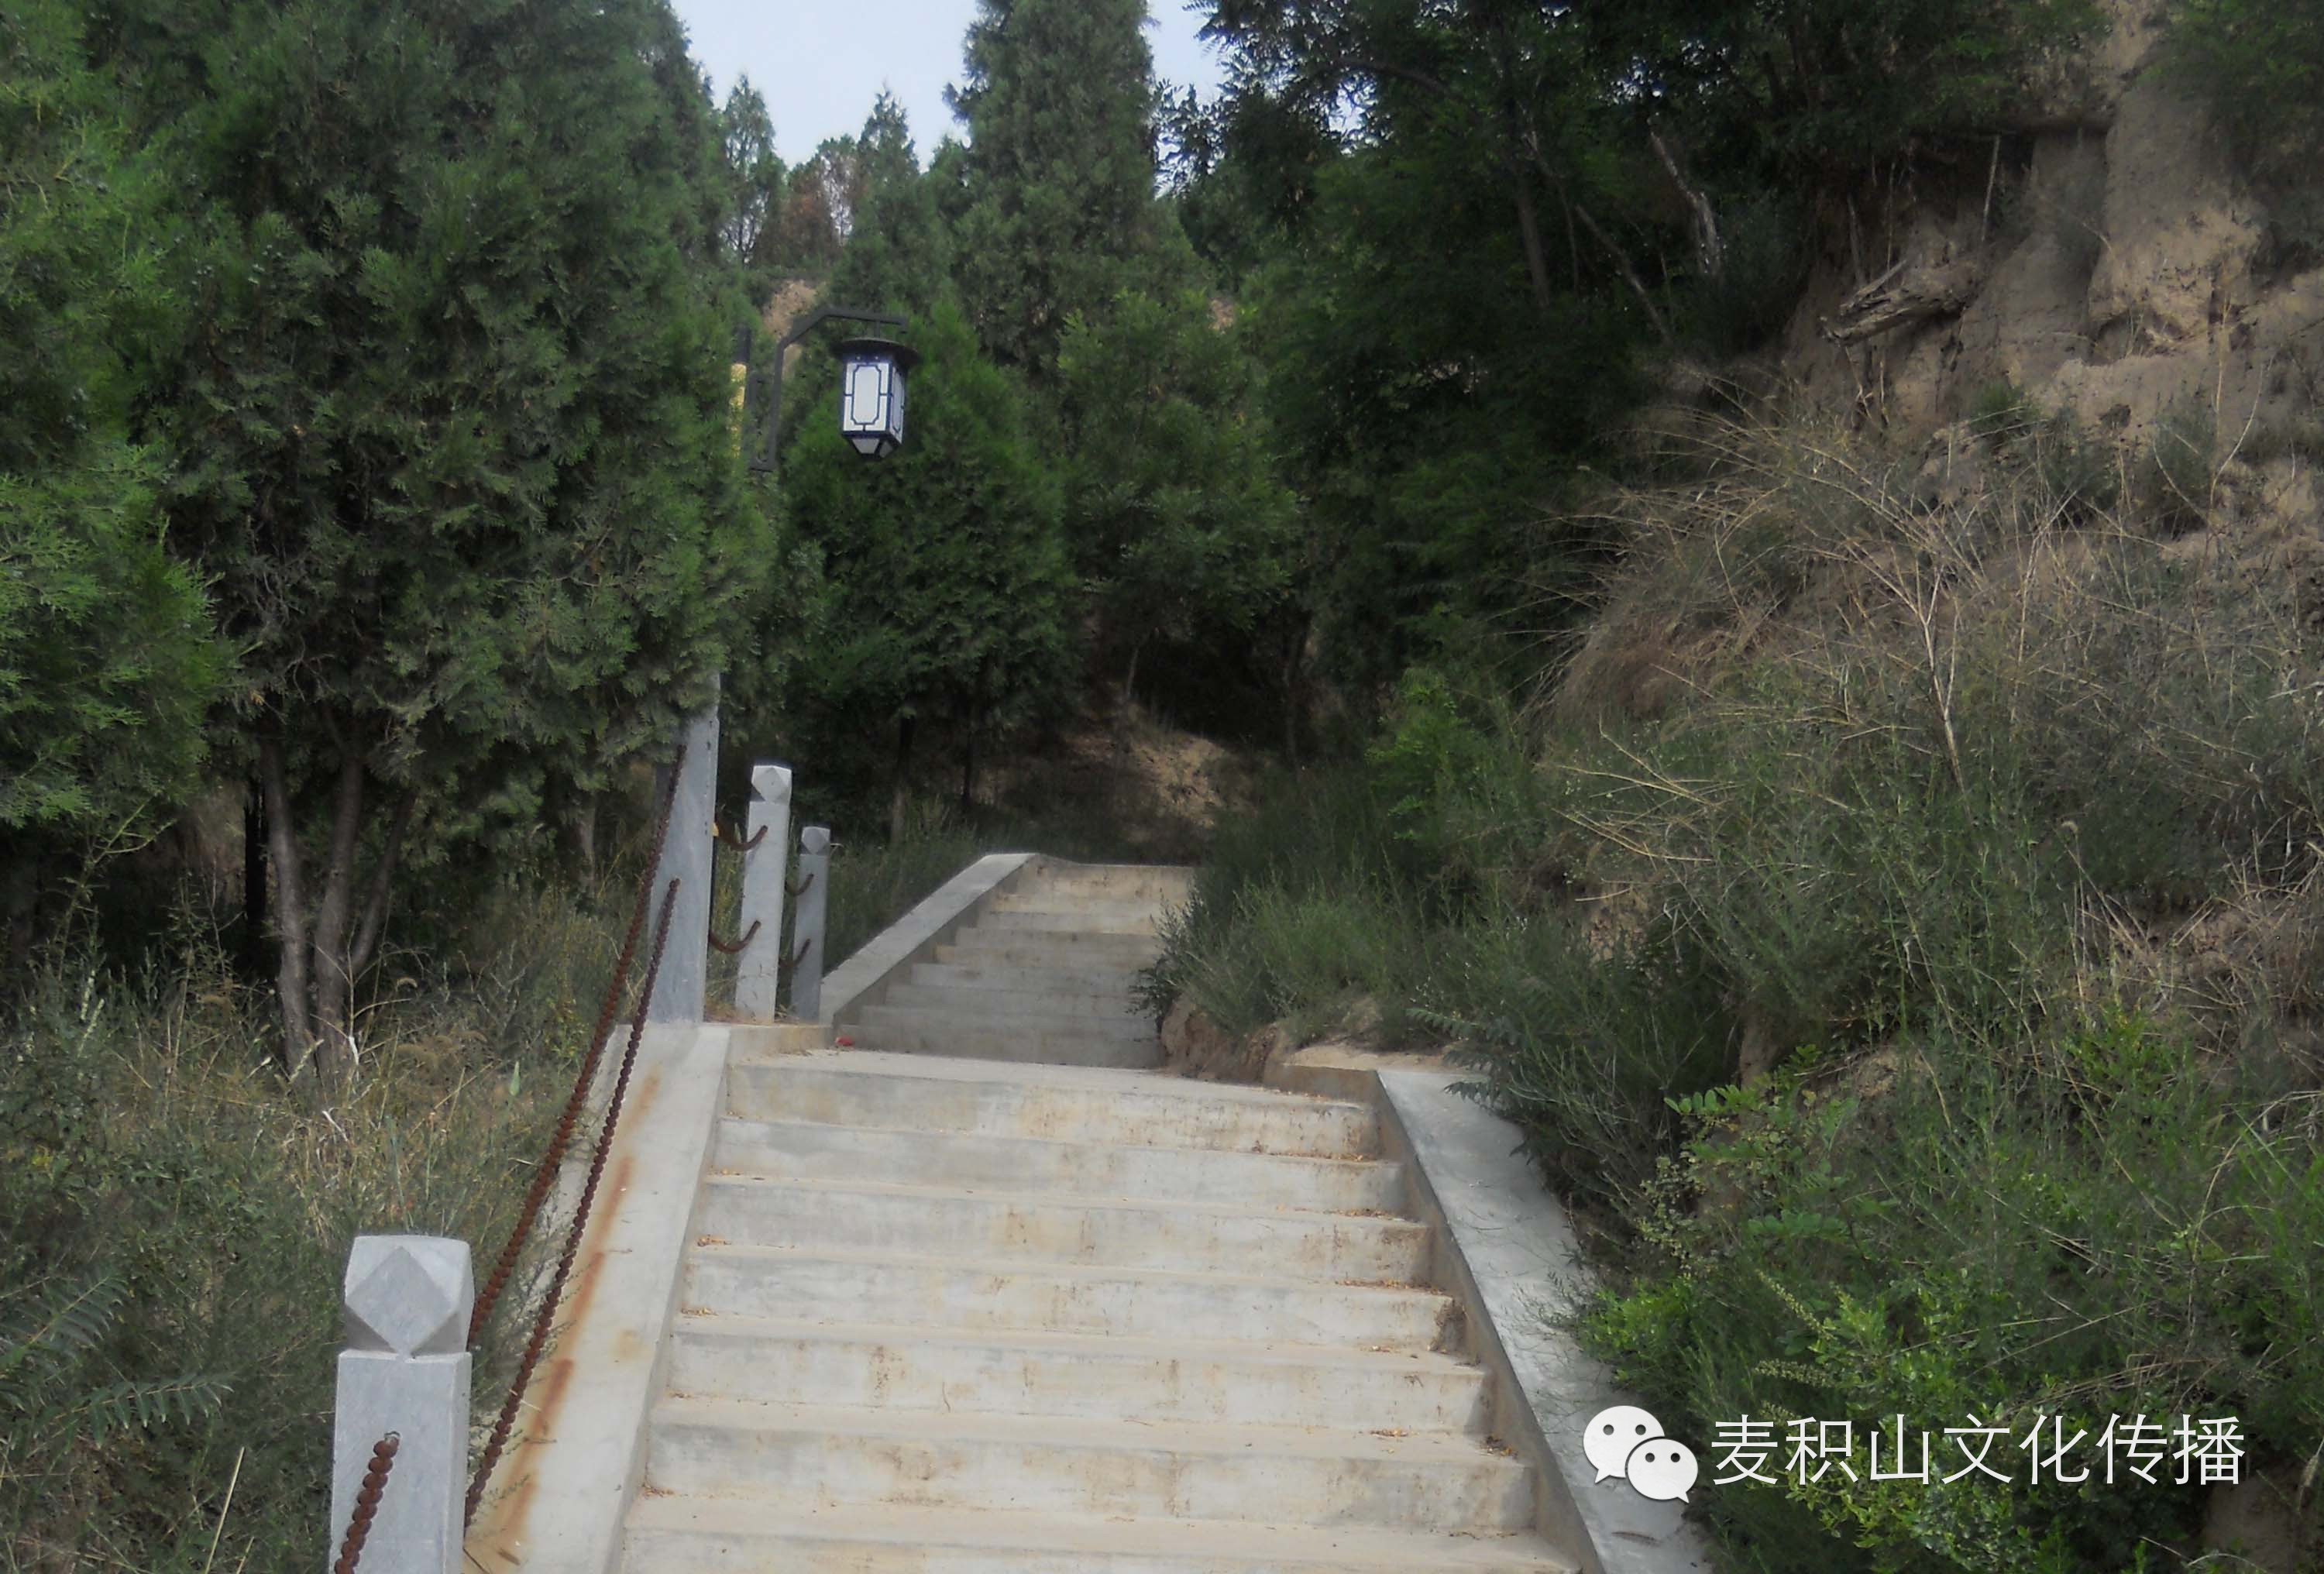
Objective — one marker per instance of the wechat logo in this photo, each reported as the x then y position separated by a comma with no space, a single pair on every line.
1627,1441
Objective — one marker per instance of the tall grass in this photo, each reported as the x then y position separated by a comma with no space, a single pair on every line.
148,1147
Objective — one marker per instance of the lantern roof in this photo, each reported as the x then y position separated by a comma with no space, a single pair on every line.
903,354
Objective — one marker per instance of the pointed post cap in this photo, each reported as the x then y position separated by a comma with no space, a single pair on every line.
409,1294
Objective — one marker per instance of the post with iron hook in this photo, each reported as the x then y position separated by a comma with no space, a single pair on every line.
405,1370
766,870
806,929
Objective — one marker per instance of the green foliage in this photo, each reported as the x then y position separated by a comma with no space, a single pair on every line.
106,658
2180,469
461,480
1176,514
1878,1054
51,1399
899,250
1822,86
755,177
1059,212
947,568
2260,67
1970,1244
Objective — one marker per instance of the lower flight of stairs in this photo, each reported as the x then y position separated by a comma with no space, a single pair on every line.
983,1313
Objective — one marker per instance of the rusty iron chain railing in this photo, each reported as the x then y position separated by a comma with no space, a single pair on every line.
496,1283
544,1317
375,1486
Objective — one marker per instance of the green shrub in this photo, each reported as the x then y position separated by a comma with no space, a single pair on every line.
2112,1236
1583,1054
1920,855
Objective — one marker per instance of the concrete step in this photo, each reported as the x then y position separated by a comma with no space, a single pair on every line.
1065,1103
1121,881
794,1455
813,1151
1106,1006
1114,983
1013,1228
1039,899
980,1013
671,1533
1064,1049
1085,1376
1040,948
841,1285
1077,921
1039,957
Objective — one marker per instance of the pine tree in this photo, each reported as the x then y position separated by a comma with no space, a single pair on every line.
1061,214
1177,517
755,175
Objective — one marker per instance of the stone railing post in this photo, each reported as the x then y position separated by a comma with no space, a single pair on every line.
681,988
405,1370
815,891
758,979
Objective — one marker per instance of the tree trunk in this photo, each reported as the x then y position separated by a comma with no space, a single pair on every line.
585,838
1898,297
332,974
253,879
1630,274
1529,229
1710,250
375,916
1295,685
900,796
324,948
290,916
968,764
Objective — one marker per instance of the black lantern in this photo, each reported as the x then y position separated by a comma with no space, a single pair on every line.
871,374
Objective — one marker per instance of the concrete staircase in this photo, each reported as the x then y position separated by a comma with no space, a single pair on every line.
984,1312
1044,974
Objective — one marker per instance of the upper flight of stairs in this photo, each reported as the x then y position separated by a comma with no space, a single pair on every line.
1044,974
986,1313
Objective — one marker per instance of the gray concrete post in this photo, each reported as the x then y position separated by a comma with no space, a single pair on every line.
806,929
405,1370
766,867
681,988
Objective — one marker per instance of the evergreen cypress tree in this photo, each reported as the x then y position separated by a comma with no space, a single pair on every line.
755,176
1060,213
949,576
107,659
899,251
454,417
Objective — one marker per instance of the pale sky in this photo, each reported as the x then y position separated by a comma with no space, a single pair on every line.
819,63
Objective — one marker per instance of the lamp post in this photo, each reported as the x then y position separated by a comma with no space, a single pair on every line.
871,418
875,367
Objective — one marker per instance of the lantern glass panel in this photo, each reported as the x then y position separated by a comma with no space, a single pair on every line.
872,395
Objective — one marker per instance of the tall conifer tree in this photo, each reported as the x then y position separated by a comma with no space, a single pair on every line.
1061,213
453,420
